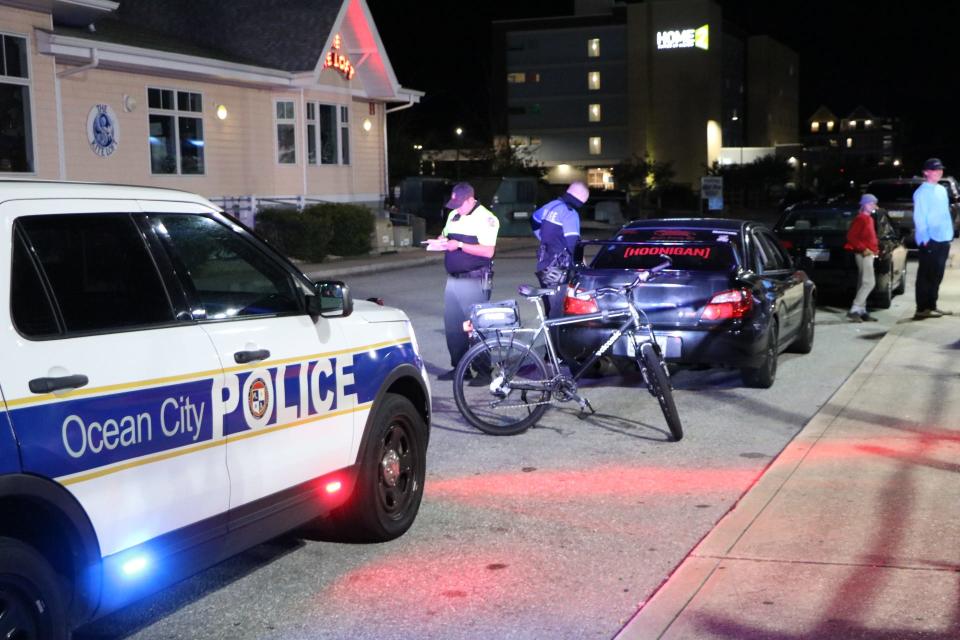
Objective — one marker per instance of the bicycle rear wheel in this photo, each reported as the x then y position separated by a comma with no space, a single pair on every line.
658,383
498,387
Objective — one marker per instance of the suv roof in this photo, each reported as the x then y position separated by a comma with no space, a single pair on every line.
19,189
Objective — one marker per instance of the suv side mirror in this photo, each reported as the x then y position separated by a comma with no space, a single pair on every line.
332,300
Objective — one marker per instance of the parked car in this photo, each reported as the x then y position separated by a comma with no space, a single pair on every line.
731,298
895,195
173,391
814,235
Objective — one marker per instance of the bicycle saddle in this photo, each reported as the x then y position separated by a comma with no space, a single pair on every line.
529,291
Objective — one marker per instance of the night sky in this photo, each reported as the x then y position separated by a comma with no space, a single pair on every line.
898,59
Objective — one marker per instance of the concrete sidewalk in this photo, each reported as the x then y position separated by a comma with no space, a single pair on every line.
401,259
854,530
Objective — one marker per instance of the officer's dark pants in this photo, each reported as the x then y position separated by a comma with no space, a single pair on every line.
553,304
930,267
459,295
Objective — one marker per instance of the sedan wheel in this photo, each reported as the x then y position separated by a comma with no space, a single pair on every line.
763,376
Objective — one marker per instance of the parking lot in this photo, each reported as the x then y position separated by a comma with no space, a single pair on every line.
559,532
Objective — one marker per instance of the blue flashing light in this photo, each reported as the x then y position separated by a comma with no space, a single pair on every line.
135,566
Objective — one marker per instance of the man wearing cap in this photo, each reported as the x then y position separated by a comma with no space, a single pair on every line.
470,239
933,230
557,226
862,241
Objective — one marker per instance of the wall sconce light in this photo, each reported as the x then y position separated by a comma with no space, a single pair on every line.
222,111
367,125
129,103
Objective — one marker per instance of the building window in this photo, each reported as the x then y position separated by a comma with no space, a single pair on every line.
830,125
593,80
593,113
868,123
323,139
16,152
517,77
286,121
596,145
600,178
519,141
849,143
814,127
176,131
593,48
344,135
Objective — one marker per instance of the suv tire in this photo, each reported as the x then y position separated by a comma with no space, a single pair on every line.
31,596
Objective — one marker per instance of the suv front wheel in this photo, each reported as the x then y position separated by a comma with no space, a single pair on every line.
31,598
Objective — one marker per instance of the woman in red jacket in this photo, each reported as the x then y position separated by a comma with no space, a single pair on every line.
862,240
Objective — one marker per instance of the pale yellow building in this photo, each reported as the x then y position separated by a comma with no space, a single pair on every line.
246,102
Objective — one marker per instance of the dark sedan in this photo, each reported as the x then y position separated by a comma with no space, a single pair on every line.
731,298
814,234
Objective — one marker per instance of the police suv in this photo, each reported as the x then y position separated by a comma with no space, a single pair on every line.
173,391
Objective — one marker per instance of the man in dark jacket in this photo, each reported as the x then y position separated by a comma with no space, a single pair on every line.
557,226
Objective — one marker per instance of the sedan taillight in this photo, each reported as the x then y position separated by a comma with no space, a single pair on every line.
728,305
577,303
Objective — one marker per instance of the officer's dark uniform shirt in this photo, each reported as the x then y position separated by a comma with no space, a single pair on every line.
479,226
559,229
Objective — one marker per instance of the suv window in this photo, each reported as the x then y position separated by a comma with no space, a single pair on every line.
29,305
229,276
100,273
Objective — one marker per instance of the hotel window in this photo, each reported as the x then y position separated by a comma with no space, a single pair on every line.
593,48
849,143
814,127
176,131
286,132
15,123
596,145
593,80
344,135
517,77
593,113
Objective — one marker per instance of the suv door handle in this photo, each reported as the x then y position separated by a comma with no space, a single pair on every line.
243,357
49,385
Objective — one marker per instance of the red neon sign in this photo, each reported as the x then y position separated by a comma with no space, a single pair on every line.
339,61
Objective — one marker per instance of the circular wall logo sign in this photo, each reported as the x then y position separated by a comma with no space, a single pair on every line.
258,398
103,130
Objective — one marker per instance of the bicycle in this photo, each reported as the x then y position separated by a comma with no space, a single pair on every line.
503,386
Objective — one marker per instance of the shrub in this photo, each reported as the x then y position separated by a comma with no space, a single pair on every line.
295,234
351,227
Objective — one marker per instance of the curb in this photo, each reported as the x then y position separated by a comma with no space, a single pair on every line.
658,613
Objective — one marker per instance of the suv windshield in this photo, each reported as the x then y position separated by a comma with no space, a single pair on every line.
893,192
819,219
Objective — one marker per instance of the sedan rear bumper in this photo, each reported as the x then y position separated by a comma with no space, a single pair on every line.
724,346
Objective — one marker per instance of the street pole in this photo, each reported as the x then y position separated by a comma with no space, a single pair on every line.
459,132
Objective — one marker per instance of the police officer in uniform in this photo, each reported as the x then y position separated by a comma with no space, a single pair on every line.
470,237
557,226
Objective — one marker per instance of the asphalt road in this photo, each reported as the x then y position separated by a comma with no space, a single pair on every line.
556,533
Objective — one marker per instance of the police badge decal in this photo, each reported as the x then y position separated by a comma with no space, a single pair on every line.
103,130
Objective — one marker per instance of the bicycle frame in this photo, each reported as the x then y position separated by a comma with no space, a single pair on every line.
636,320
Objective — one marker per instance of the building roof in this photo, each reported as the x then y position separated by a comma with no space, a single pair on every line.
822,114
289,35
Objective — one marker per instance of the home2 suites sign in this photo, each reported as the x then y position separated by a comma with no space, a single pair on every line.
684,38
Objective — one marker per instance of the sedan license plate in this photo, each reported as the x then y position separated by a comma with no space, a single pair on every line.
818,255
670,346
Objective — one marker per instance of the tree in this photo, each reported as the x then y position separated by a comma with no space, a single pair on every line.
644,177
514,160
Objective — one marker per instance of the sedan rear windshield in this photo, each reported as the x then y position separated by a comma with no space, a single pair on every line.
898,192
818,220
687,256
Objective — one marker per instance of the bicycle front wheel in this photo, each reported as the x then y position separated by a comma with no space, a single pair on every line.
500,387
658,383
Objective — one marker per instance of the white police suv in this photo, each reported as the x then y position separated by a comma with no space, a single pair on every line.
173,391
